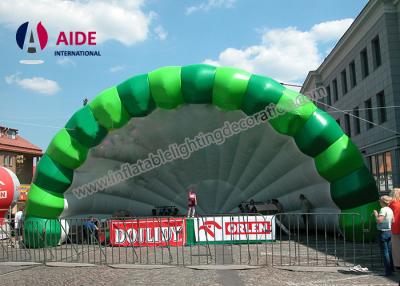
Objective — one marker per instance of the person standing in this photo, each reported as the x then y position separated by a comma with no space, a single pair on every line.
384,220
252,206
278,205
306,208
91,230
192,202
19,222
395,206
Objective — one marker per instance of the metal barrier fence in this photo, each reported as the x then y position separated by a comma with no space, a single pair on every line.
285,239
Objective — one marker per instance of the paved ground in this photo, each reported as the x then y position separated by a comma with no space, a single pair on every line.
296,262
269,254
103,275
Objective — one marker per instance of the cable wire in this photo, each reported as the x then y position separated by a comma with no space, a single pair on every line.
290,84
33,124
358,117
370,108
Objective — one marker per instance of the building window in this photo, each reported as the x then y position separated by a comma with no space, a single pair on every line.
335,90
381,173
376,52
381,169
380,99
372,163
344,81
347,127
369,114
389,176
364,63
356,120
8,161
353,78
328,96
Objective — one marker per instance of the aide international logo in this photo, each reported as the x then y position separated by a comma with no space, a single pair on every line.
33,40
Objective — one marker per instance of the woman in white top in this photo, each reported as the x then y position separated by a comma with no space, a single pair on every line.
384,220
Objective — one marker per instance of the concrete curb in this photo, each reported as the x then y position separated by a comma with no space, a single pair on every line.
26,263
313,268
140,266
223,267
69,264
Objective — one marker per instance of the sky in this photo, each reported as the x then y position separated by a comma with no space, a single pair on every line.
280,39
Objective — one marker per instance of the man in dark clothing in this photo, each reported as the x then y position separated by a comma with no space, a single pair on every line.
306,208
90,230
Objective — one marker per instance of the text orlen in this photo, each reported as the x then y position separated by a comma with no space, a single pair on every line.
254,227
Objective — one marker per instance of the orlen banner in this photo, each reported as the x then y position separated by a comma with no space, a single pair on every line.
234,228
148,232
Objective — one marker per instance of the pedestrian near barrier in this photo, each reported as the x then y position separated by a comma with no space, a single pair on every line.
384,219
19,221
306,208
395,206
91,230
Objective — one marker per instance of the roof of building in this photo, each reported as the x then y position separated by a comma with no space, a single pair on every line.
7,128
19,145
350,31
361,17
310,76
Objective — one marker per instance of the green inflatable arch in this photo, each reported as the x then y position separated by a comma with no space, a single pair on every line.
316,134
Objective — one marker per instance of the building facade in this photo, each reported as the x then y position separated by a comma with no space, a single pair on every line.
361,77
20,156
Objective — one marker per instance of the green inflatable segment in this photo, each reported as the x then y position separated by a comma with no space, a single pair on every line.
41,232
339,160
197,83
165,86
261,92
354,189
44,203
292,112
108,110
230,86
318,133
362,222
52,175
136,96
83,127
67,151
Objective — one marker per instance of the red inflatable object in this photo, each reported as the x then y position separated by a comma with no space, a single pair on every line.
9,190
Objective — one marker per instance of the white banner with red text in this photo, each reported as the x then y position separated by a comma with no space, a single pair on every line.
234,228
148,232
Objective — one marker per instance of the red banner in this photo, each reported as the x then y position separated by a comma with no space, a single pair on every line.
148,232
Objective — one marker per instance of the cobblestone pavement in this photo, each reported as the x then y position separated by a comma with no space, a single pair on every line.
277,254
103,275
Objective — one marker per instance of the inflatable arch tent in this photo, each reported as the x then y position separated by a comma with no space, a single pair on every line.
316,135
